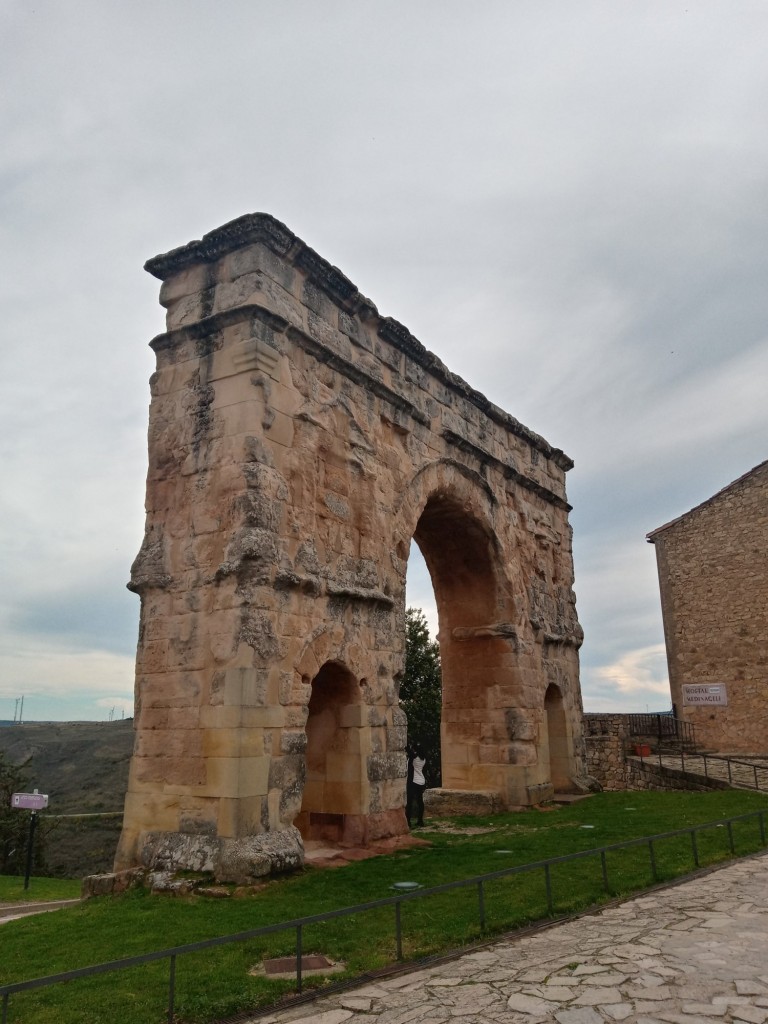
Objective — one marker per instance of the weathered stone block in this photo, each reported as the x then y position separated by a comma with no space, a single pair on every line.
449,802
174,851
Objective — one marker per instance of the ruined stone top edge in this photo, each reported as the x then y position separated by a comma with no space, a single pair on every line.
650,537
262,227
251,227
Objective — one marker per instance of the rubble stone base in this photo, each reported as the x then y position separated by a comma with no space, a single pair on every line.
239,861
113,883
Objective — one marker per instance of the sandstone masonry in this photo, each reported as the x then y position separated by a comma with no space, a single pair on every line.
713,577
298,443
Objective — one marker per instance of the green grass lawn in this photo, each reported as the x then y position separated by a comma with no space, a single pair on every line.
40,889
215,983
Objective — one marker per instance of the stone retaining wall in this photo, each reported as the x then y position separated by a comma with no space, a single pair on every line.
606,738
649,775
608,741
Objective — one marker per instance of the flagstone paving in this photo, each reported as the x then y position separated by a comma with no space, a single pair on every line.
695,953
751,774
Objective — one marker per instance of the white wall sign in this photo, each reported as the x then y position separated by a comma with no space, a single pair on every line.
705,694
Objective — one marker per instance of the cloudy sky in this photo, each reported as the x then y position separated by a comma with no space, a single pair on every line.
566,201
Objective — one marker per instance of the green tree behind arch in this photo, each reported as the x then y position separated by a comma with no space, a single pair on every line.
421,692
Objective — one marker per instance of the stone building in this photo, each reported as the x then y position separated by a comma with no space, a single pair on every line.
713,577
298,443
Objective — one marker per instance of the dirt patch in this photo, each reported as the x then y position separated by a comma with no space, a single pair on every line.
447,829
326,855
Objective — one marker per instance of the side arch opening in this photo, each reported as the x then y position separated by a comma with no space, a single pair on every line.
333,800
554,747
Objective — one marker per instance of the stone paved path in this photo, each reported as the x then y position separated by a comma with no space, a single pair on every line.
696,953
13,911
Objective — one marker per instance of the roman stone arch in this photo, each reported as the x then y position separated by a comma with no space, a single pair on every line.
298,444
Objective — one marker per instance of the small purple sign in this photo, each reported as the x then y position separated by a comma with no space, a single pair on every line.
29,801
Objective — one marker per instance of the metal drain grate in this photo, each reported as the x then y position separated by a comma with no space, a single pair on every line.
287,964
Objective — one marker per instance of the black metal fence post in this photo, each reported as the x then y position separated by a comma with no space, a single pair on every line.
398,931
481,904
604,867
171,989
299,958
730,837
761,818
548,886
694,847
654,873
30,847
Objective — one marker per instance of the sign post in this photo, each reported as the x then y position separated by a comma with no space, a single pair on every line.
33,802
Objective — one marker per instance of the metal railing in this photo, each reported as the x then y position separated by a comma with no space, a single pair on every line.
396,903
747,774
665,727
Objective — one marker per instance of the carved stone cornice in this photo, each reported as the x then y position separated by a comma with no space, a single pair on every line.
262,228
317,586
245,230
218,321
563,639
510,473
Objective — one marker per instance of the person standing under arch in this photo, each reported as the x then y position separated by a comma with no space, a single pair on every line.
416,786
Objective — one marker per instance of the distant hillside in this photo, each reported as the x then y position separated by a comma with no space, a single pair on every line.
83,767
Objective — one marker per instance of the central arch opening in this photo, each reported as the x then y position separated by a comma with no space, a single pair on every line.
333,798
462,557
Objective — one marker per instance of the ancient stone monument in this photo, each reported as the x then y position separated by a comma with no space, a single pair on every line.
298,443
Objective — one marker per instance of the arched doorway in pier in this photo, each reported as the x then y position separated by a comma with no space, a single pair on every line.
554,740
333,797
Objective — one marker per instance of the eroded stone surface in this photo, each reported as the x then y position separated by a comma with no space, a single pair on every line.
298,443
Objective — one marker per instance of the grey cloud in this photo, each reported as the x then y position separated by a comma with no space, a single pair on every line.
102,620
565,202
